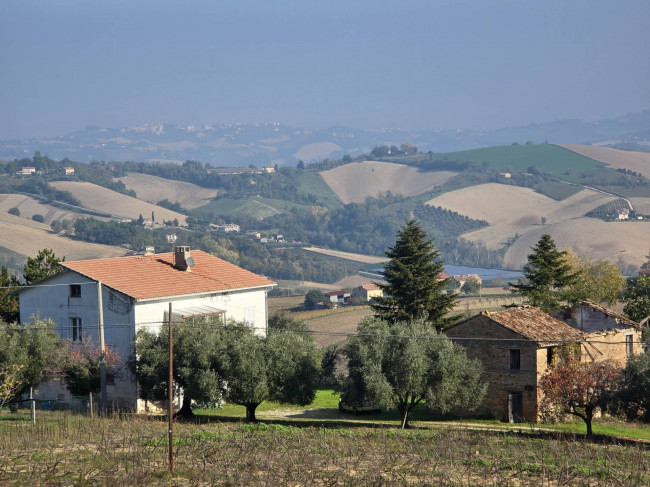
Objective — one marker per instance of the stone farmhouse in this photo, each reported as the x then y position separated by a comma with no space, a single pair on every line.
136,292
366,292
516,346
618,337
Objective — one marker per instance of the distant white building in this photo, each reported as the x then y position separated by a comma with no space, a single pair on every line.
622,214
27,170
228,228
136,293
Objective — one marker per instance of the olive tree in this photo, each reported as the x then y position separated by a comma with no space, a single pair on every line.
197,354
29,354
400,365
283,367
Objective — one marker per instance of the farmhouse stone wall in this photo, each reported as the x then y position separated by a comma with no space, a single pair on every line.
486,343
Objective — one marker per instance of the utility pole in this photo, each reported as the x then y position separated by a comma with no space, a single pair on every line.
170,407
102,346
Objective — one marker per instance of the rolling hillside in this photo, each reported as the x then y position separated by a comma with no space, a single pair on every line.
154,189
27,237
548,158
256,207
30,206
353,183
618,159
629,241
516,213
102,199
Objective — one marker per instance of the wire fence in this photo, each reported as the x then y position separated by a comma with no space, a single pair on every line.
28,410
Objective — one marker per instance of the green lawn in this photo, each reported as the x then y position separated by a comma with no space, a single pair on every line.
327,399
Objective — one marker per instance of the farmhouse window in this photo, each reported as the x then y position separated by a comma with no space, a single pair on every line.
75,325
515,359
75,290
629,345
550,354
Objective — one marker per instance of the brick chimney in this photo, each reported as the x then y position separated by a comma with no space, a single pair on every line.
182,259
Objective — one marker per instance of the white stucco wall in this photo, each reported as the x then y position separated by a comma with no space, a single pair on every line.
245,305
123,315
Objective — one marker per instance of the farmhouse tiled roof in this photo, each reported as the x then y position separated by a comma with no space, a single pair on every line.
619,318
154,276
371,287
534,324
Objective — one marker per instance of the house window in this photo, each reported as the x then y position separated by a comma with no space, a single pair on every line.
75,326
515,359
629,345
550,355
110,379
75,290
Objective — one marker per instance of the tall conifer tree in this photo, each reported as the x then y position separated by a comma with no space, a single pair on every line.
414,288
547,276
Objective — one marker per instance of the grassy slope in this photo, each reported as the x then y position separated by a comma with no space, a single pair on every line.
312,183
255,207
546,157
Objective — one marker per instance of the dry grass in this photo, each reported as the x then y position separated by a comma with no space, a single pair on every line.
330,327
154,189
641,205
353,183
616,158
364,259
113,452
512,210
30,206
102,199
589,236
27,237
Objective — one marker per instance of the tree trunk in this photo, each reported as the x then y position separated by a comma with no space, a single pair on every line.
588,417
186,409
250,412
404,410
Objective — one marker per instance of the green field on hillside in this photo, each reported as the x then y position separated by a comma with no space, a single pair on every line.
255,207
310,182
546,157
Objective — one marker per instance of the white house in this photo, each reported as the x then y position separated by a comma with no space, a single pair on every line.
136,292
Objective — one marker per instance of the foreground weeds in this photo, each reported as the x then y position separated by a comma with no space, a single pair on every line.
77,451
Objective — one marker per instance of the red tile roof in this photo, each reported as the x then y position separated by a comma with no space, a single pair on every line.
154,276
371,287
534,324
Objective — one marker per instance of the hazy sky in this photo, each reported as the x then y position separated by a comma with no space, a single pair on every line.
426,64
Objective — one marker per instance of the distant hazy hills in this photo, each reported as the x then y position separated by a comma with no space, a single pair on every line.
241,144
